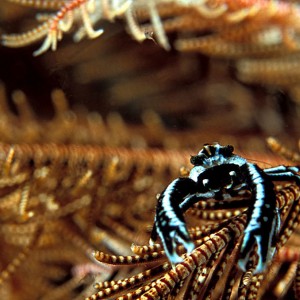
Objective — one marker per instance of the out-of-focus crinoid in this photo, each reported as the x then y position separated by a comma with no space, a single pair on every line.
25,126
211,271
260,36
280,149
228,28
57,197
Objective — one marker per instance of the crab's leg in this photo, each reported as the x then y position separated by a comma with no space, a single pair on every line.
264,220
282,173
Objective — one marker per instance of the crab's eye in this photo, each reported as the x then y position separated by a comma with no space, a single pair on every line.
197,160
227,150
230,148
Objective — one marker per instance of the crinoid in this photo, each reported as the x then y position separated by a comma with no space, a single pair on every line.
57,193
211,270
56,197
226,28
261,38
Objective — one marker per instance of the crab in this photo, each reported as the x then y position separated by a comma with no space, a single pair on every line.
217,173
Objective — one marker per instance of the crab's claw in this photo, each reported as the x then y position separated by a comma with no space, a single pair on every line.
169,223
265,239
175,236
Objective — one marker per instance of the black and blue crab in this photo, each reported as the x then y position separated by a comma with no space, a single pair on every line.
217,172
